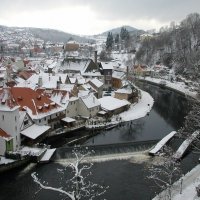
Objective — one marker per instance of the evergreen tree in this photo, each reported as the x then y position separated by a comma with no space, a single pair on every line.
124,34
109,41
117,39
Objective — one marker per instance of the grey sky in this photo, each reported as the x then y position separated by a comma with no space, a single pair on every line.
93,16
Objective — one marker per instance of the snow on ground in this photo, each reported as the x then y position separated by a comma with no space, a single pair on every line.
4,161
32,151
122,58
179,86
140,109
188,191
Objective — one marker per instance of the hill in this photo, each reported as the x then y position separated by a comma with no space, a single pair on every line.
46,34
118,29
55,35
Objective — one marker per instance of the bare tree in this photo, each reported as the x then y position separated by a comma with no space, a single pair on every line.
164,172
192,124
78,186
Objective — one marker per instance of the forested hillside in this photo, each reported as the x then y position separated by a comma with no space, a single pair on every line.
176,46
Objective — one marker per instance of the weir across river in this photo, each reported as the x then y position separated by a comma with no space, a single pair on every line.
99,150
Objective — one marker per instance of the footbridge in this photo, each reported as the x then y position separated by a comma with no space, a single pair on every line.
161,143
185,146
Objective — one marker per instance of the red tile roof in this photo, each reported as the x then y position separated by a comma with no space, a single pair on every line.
26,97
4,134
25,74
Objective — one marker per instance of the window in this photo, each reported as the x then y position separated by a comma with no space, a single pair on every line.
39,120
25,122
15,118
2,117
108,77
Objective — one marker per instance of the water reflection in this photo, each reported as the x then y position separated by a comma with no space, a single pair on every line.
172,106
167,115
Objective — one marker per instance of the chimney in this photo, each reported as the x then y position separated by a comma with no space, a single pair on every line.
40,81
58,85
127,72
95,57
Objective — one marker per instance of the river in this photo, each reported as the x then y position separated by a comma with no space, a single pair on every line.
126,178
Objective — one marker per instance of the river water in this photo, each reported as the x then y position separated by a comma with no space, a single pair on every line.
126,178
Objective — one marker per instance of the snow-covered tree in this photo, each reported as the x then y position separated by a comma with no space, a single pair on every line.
164,172
192,124
78,186
109,41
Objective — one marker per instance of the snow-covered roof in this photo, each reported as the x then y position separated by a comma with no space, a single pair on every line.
76,65
118,74
48,81
68,119
107,65
83,93
96,82
92,74
111,103
35,131
124,91
90,101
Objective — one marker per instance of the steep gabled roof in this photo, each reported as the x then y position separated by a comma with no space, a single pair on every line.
90,101
7,100
28,98
96,82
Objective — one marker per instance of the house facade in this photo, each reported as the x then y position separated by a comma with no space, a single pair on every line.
106,70
88,106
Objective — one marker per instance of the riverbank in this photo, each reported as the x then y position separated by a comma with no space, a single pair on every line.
184,188
136,111
178,87
10,164
140,109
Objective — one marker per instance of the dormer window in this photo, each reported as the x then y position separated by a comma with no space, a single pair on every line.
53,103
39,97
39,107
19,97
3,101
46,105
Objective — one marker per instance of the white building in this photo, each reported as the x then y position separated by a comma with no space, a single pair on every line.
9,122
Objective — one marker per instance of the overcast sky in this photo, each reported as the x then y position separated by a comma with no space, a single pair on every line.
94,16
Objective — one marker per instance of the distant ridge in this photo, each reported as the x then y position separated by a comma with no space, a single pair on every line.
48,34
118,29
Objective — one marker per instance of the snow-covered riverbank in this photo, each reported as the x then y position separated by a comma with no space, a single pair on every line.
176,86
140,109
185,188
